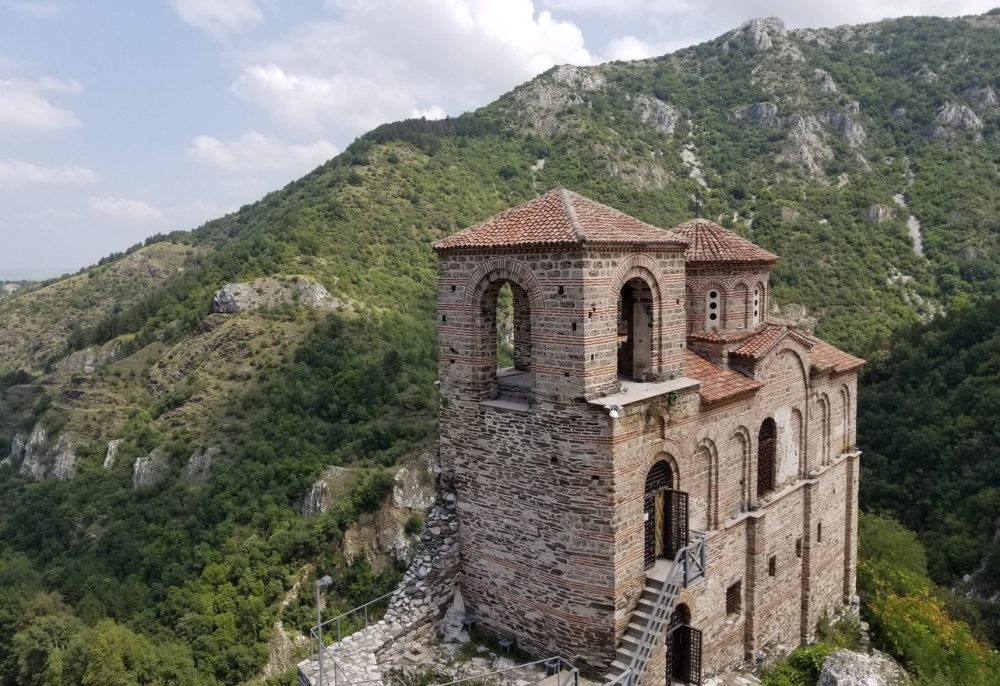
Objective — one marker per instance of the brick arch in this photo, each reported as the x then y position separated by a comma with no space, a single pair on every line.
845,407
642,266
500,269
825,428
799,358
797,433
668,451
711,455
741,436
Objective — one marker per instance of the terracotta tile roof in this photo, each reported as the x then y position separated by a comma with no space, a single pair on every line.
826,358
717,384
760,343
709,243
559,217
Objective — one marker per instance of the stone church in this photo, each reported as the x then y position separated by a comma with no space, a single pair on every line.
663,484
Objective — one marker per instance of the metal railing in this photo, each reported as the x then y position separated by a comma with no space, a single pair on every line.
339,619
572,673
689,564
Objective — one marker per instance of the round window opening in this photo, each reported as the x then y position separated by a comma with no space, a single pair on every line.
713,305
713,316
713,294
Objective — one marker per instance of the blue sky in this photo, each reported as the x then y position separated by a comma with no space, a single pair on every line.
120,119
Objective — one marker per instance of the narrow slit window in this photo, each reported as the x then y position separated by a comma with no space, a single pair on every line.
772,566
734,598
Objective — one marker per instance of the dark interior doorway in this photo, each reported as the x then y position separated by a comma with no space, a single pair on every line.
683,649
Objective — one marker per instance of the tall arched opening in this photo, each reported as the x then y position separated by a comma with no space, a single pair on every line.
766,440
665,514
635,329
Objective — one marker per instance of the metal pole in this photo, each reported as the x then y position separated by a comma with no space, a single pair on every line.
319,629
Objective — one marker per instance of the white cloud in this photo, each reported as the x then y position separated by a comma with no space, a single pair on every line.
630,48
41,9
19,171
219,16
255,151
120,208
24,105
24,111
432,112
379,63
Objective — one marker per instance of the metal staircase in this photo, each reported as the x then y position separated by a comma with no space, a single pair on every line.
651,615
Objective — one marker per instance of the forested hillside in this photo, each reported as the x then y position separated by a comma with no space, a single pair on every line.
928,425
867,157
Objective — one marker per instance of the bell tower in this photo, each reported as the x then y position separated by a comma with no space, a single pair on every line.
596,305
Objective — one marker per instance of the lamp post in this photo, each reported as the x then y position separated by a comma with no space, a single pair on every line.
320,585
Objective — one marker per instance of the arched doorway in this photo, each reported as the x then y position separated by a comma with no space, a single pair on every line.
683,664
665,514
635,329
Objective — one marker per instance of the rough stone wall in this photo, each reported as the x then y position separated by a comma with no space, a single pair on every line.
736,286
536,540
427,586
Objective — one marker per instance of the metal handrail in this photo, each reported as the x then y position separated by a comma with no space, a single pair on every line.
574,672
339,618
678,576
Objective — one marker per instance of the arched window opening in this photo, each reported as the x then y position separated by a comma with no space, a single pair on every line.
765,457
713,308
755,305
507,316
635,330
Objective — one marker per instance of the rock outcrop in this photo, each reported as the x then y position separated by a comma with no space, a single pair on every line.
89,360
38,457
199,465
763,113
334,482
953,118
414,485
983,99
824,80
270,292
761,32
848,668
852,132
17,448
879,214
111,457
657,113
807,148
150,470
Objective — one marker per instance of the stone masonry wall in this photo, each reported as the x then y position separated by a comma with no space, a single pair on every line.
735,286
427,587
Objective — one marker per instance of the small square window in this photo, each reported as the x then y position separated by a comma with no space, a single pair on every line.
772,566
734,598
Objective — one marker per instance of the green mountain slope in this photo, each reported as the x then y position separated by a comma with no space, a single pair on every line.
928,423
801,141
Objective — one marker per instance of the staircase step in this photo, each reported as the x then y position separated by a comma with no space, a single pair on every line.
635,629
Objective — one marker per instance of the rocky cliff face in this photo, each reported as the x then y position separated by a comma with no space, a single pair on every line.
272,292
89,360
848,668
36,456
150,470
